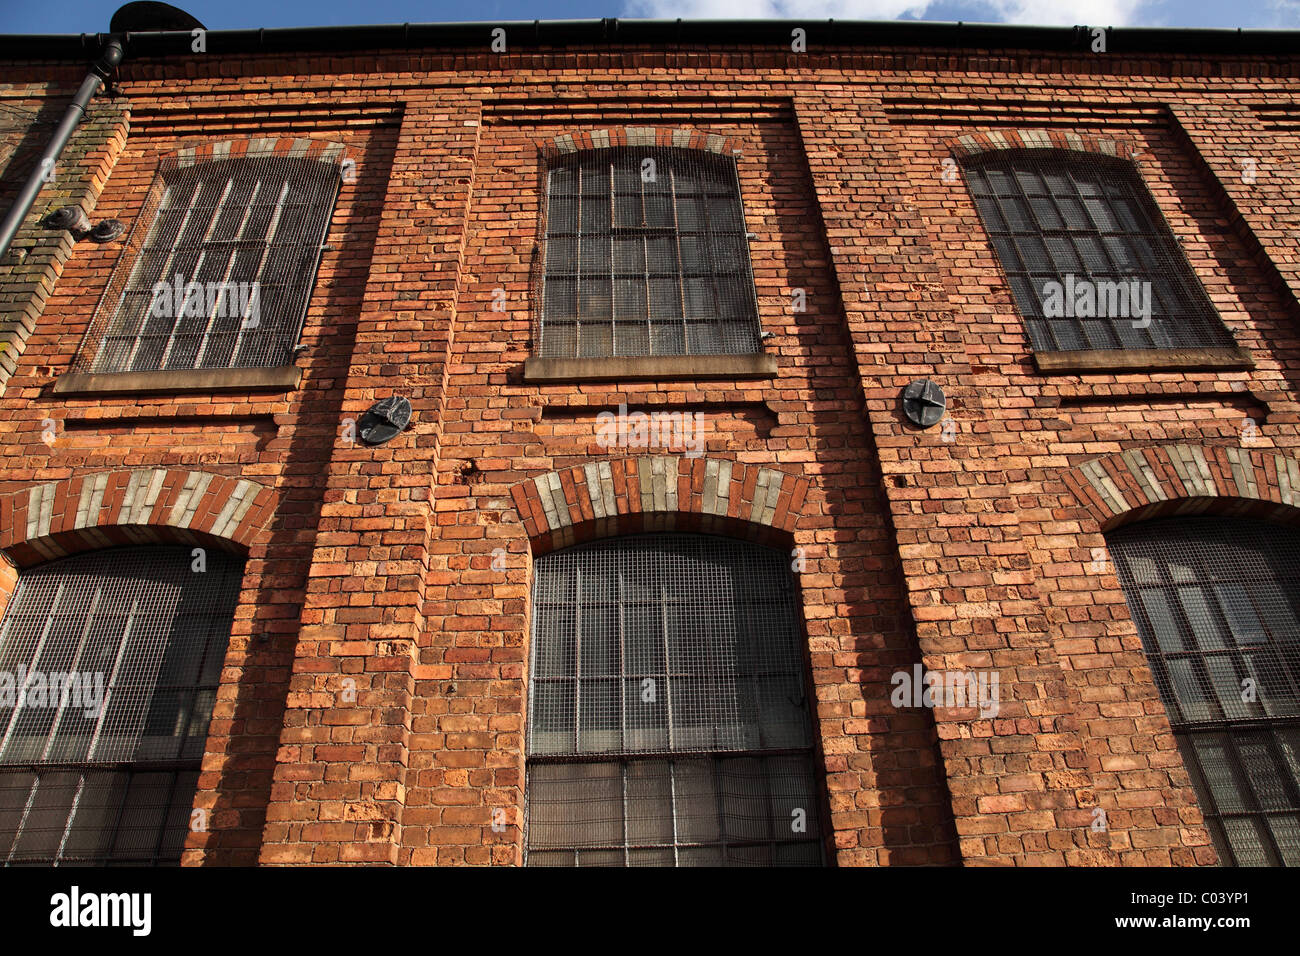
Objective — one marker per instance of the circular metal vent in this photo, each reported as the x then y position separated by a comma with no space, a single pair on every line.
923,403
384,420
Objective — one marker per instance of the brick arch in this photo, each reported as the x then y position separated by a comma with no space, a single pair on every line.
680,137
980,143
1179,479
144,506
659,493
289,147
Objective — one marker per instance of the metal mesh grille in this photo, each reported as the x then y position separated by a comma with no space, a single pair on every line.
667,715
1217,603
1089,226
108,776
223,275
645,252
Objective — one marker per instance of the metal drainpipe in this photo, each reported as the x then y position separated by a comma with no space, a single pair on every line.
101,70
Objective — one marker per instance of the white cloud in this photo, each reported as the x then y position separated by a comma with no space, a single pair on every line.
778,9
1099,13
1286,14
1110,13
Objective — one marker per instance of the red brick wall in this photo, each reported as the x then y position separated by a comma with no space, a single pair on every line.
381,720
278,441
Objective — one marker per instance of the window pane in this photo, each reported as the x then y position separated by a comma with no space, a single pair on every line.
628,211
562,216
594,216
1045,211
649,795
1248,838
629,255
1266,776
1209,635
1286,834
593,259
574,805
630,299
1161,620
1224,779
1034,254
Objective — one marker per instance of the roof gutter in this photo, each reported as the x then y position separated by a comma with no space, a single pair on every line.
612,32
110,56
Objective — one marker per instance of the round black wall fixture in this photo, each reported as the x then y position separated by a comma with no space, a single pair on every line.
107,230
384,420
924,403
68,218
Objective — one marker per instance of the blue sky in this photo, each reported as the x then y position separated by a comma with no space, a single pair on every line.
92,16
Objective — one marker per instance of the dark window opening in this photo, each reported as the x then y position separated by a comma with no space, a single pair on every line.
225,270
668,718
1217,603
103,770
1090,260
645,252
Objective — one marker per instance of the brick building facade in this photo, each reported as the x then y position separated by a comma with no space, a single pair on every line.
370,703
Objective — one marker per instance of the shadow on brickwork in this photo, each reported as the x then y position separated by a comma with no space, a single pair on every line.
903,761
245,782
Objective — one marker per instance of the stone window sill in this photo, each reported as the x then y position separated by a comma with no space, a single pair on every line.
283,379
654,367
1143,360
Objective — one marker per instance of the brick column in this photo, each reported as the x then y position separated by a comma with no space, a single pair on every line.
1020,781
341,771
1255,173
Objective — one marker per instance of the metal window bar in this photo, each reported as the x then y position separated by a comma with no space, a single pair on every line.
1250,812
660,662
157,232
1052,214
198,270
108,778
273,234
1217,604
643,259
249,231
77,659
221,303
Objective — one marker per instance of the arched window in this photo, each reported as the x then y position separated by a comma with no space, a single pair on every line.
1217,603
645,252
1091,262
109,665
225,269
668,715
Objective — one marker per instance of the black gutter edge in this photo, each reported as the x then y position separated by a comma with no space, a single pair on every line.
524,34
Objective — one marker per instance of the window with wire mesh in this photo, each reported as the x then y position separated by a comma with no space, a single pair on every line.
644,252
1091,262
668,722
223,273
102,770
1217,603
